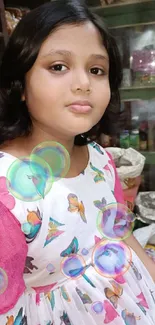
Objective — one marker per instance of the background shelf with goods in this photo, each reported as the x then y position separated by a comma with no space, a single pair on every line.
133,25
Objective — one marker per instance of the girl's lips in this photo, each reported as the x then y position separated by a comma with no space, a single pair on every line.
80,108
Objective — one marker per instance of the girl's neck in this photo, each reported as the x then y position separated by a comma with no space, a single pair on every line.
23,146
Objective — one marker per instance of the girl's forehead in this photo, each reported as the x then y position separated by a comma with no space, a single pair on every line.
74,37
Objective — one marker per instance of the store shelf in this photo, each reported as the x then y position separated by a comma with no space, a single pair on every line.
150,157
137,93
127,14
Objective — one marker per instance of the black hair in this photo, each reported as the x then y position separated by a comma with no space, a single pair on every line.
21,53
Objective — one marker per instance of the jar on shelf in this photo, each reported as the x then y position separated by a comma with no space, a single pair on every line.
143,136
134,139
143,67
125,139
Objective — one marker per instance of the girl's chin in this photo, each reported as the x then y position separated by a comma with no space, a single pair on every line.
80,129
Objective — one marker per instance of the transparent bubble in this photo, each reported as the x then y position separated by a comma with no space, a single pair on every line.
50,268
56,156
73,266
97,307
111,259
85,251
29,180
115,221
3,281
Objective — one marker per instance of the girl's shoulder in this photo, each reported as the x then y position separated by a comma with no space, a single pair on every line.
101,157
103,162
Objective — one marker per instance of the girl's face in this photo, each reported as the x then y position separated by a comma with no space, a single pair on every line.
67,89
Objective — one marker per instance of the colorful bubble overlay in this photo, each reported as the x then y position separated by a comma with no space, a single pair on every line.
97,307
29,179
3,281
50,268
73,266
56,156
115,221
111,259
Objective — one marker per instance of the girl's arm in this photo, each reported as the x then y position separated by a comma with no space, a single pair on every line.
146,260
131,241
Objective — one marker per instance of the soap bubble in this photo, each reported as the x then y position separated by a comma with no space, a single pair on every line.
97,307
56,155
29,178
115,221
111,259
73,266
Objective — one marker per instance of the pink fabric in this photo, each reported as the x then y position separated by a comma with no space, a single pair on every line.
13,251
118,192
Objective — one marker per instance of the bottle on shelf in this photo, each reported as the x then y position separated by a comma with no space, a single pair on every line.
134,139
143,136
125,139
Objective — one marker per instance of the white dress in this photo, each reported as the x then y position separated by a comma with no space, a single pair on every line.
59,283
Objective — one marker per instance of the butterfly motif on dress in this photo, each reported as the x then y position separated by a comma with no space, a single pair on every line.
152,295
65,294
71,249
120,279
32,226
84,297
98,174
29,266
39,181
115,294
142,302
76,206
97,147
51,298
53,231
141,307
135,270
129,318
110,312
65,319
19,319
101,204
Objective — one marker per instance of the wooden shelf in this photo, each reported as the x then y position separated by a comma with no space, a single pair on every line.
137,93
150,157
125,15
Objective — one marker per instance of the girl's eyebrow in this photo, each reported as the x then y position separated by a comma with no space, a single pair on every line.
59,52
100,57
69,54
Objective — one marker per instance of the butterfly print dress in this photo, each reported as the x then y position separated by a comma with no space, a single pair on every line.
47,273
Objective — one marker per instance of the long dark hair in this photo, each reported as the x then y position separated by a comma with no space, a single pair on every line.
22,51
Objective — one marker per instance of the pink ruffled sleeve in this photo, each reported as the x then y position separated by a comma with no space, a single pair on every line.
13,252
118,192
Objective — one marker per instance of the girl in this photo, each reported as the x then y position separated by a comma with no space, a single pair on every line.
60,72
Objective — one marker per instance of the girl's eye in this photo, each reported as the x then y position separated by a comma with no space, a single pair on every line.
58,67
97,71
